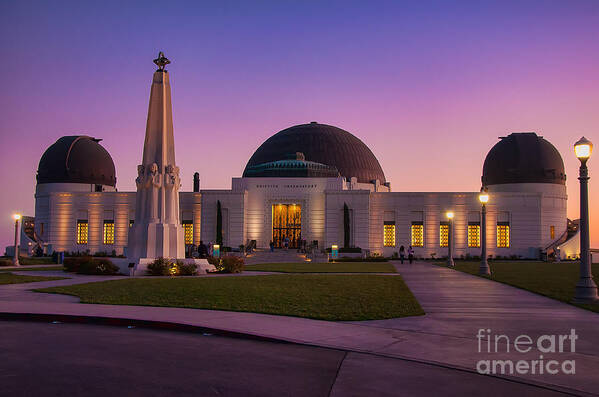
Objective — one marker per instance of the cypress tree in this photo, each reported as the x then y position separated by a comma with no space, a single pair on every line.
345,226
219,225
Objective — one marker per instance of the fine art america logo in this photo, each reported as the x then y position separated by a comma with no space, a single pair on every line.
517,347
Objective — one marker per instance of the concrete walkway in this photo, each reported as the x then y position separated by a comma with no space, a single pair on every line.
457,306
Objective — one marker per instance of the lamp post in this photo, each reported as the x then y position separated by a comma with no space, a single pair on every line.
15,259
586,289
483,269
450,262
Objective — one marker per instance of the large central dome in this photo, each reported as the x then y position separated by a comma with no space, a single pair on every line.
319,143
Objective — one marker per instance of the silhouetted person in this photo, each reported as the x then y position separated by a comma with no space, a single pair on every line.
402,254
411,254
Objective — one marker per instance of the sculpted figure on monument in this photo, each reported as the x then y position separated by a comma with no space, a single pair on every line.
140,176
154,181
172,177
140,196
172,182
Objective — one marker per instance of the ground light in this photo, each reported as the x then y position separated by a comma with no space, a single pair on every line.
15,260
334,251
483,269
586,289
450,262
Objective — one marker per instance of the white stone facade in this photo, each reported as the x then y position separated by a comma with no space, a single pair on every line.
532,211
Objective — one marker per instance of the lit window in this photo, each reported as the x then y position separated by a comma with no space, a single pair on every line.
552,231
503,235
82,231
473,235
108,232
389,234
417,234
188,231
444,234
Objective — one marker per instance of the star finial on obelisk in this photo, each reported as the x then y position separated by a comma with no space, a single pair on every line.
161,61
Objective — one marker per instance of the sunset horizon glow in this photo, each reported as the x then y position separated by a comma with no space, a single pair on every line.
428,87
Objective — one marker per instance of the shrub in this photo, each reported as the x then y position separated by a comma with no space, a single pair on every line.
5,262
99,266
214,261
232,264
73,263
228,264
160,267
166,267
187,269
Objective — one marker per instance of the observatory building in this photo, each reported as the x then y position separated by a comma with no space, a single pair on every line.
313,184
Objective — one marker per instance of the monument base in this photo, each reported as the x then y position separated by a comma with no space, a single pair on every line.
139,267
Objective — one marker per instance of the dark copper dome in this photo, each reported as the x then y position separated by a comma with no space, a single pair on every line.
523,157
323,144
76,159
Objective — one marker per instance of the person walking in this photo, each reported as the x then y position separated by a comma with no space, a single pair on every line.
272,246
402,254
411,254
286,243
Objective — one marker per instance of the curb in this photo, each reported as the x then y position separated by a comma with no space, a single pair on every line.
178,327
125,322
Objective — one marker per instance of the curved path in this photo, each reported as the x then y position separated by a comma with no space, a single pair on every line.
457,306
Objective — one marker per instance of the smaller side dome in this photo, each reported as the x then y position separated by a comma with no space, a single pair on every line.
76,159
523,157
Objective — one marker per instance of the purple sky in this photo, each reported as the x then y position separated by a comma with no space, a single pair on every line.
428,86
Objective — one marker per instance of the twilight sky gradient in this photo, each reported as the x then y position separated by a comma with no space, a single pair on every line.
428,86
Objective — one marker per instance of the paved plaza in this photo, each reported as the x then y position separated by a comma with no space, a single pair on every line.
443,341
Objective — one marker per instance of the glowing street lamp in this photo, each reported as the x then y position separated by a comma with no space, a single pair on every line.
15,259
586,289
483,269
450,262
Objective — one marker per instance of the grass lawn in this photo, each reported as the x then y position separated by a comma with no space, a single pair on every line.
324,297
555,280
25,261
8,278
36,261
311,267
33,269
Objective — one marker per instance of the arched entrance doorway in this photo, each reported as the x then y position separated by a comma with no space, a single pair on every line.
286,224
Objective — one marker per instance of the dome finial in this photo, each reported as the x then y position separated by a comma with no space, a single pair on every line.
161,61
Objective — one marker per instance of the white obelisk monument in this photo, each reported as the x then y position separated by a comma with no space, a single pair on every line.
157,231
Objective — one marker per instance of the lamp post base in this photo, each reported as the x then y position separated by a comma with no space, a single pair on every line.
450,262
586,292
484,269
